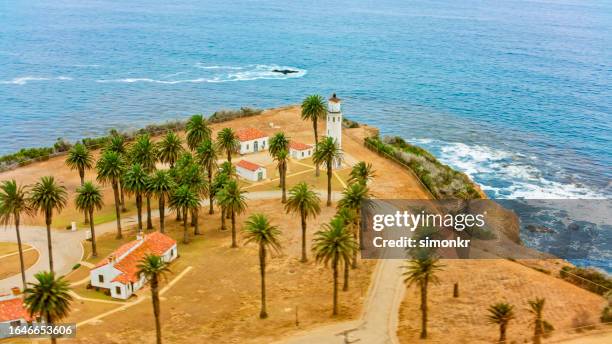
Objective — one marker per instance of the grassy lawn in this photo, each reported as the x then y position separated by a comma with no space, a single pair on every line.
10,247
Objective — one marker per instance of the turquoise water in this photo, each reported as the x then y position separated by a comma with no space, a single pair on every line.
518,94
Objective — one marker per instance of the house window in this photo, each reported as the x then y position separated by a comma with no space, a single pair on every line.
101,278
247,146
263,144
302,154
118,290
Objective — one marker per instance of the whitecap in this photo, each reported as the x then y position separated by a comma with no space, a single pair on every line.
25,79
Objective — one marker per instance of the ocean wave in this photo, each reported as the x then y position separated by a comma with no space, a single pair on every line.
22,80
504,174
220,74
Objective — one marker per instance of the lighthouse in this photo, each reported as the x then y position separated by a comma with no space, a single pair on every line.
334,122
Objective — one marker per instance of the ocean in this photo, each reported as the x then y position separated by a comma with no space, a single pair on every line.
517,94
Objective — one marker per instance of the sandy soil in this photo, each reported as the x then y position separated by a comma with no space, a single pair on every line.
484,282
9,264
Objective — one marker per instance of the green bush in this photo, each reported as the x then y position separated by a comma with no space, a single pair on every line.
226,115
587,278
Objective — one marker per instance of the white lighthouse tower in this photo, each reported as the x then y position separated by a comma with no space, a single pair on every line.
334,122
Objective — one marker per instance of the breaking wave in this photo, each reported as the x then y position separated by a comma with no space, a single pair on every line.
22,80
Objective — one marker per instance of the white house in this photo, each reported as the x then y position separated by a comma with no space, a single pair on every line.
299,151
334,123
119,271
13,311
252,140
250,171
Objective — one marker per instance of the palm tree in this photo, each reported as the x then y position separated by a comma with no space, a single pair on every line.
135,181
118,145
536,307
228,142
232,198
170,148
14,203
207,156
192,177
259,230
421,270
501,313
326,152
48,297
110,169
352,198
47,196
161,185
334,245
304,201
197,131
89,198
221,179
313,108
184,199
154,268
349,218
278,142
362,173
282,158
79,158
145,152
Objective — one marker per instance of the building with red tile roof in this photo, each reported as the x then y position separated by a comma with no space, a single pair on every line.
119,271
12,310
252,140
250,170
299,150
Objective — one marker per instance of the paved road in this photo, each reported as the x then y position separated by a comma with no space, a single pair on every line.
380,314
67,248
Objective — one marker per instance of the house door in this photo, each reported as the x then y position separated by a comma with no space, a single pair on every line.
255,146
259,175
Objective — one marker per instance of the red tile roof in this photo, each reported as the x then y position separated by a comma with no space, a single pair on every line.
155,243
248,134
298,145
13,309
251,166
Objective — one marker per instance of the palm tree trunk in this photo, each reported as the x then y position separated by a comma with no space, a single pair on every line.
178,215
211,208
316,134
229,156
162,214
345,287
223,219
48,215
149,222
194,216
20,248
424,310
123,208
502,333
117,211
49,320
82,176
304,258
156,308
262,269
354,265
185,227
284,184
94,251
329,179
139,211
537,335
335,269
234,244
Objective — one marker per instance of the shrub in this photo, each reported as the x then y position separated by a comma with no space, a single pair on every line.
226,115
61,145
76,266
587,278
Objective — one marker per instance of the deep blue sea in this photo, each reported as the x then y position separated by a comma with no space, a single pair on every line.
518,94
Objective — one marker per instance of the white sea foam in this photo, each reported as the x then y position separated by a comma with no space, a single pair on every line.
22,80
220,74
485,164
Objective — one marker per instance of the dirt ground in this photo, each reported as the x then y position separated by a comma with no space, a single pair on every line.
484,282
9,263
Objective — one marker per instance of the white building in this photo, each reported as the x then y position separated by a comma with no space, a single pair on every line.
334,123
119,271
13,311
250,171
252,140
299,151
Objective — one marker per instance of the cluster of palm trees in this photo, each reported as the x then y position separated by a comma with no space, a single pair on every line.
502,313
